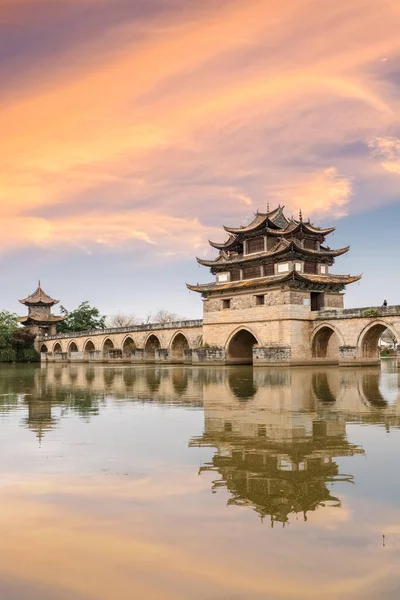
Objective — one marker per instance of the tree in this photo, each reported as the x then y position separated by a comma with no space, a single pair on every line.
16,343
8,326
121,320
164,316
83,318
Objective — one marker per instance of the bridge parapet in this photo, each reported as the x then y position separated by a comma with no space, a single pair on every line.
131,329
370,312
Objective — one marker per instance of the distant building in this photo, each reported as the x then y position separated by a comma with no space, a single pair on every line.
39,320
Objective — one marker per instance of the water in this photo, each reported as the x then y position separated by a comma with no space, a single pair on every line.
169,483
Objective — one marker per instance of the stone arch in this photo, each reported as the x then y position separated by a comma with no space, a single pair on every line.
43,349
89,348
108,346
179,346
151,346
325,342
128,347
72,347
239,348
370,336
57,348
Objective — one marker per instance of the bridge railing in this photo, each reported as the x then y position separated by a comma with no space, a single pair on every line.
131,329
367,312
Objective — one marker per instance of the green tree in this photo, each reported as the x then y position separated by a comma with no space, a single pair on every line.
83,318
16,343
8,326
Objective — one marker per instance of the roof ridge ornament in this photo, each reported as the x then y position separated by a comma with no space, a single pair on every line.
300,216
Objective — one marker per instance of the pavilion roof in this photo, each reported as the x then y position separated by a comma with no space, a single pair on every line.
272,223
260,220
283,247
275,279
39,297
32,319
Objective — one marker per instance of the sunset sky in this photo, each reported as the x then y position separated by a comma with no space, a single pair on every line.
133,129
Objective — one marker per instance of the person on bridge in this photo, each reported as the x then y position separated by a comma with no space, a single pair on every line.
384,303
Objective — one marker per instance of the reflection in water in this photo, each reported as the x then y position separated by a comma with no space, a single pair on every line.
113,482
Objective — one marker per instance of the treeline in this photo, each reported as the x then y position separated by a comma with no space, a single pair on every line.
16,344
87,317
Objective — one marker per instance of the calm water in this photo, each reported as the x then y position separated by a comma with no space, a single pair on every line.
177,483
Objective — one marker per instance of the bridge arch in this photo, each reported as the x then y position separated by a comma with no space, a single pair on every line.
152,344
369,337
72,347
43,349
108,346
88,348
239,347
57,348
325,342
179,345
128,346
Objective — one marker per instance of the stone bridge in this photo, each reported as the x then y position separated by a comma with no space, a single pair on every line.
156,342
297,337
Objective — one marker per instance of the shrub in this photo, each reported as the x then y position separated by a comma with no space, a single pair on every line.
7,355
371,312
28,355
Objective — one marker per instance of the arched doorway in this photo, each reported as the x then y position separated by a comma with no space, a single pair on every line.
152,345
89,349
370,340
179,347
57,349
128,347
240,348
43,349
72,348
325,344
108,347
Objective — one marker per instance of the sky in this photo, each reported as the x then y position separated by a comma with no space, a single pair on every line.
132,130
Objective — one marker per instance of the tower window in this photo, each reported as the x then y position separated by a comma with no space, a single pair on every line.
235,275
251,272
255,245
310,244
226,303
310,267
324,269
260,300
283,267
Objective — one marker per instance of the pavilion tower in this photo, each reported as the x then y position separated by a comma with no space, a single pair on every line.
271,275
39,320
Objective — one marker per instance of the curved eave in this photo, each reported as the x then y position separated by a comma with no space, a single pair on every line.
335,280
257,223
295,227
29,319
260,220
281,249
230,243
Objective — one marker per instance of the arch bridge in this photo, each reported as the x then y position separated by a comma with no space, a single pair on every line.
157,342
340,336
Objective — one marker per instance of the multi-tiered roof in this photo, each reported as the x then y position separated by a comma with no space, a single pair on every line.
272,250
39,309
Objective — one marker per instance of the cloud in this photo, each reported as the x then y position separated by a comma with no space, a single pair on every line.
178,121
387,150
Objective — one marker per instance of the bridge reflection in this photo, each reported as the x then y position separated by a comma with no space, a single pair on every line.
277,434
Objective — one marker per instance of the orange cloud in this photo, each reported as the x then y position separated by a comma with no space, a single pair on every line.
198,114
